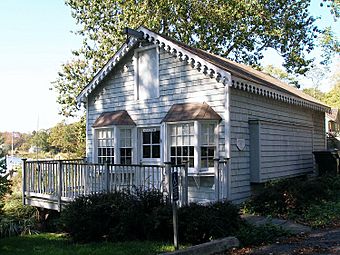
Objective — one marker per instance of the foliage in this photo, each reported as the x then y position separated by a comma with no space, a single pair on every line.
69,138
17,219
325,214
258,235
5,183
118,216
296,198
40,140
329,44
240,30
334,6
282,75
59,244
123,216
201,223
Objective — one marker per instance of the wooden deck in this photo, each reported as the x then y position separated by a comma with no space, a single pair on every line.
52,184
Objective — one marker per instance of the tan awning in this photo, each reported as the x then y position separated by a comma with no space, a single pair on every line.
191,111
114,118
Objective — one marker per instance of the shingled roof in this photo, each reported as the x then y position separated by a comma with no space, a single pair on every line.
114,118
191,111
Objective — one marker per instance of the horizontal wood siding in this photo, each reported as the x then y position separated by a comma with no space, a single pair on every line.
279,143
178,83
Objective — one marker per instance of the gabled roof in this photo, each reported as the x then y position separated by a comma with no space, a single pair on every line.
114,118
215,67
191,111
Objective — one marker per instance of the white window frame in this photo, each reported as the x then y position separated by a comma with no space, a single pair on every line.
197,145
95,142
120,128
116,141
136,68
140,146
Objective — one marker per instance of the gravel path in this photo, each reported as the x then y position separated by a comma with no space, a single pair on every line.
318,242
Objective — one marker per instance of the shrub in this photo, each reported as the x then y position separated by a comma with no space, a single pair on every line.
201,223
117,216
289,197
144,215
325,214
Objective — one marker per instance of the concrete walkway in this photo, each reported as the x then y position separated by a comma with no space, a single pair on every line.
287,225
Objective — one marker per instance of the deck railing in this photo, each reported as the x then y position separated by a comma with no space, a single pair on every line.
49,184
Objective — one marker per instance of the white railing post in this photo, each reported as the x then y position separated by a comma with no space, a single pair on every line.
60,184
107,179
24,181
217,179
168,179
186,184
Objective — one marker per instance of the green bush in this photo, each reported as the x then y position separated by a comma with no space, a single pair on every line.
117,216
325,214
201,223
288,197
144,215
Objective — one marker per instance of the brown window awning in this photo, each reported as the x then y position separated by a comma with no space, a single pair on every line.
191,111
114,118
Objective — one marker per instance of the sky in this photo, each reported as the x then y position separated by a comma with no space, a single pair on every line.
35,39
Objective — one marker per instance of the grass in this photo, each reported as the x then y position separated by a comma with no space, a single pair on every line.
59,244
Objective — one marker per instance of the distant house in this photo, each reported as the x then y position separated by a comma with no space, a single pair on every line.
333,129
34,149
159,100
333,121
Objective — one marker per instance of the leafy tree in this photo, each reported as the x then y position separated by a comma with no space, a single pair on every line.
281,75
238,29
40,139
334,6
316,93
5,184
69,138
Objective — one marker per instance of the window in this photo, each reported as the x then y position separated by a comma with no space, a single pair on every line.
105,145
207,145
182,143
125,146
147,72
151,143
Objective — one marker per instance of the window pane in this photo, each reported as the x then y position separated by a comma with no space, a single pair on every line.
211,162
156,137
156,151
179,151
173,140
173,151
185,151
146,138
146,151
204,152
191,150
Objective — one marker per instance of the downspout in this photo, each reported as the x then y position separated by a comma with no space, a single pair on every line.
226,181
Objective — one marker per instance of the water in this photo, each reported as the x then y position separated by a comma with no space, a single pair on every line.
13,162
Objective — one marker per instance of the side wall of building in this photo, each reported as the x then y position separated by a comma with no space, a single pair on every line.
288,135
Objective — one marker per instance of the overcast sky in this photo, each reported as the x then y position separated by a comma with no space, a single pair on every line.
35,40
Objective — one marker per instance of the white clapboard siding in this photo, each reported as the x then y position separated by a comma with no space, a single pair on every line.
284,152
178,83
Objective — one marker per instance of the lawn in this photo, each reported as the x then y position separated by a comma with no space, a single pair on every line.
58,244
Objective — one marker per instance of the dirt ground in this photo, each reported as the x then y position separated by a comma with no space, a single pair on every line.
317,242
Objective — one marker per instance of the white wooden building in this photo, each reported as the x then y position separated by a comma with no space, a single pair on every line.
158,100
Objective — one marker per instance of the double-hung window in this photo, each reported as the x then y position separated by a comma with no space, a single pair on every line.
151,144
126,146
207,145
105,145
182,143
